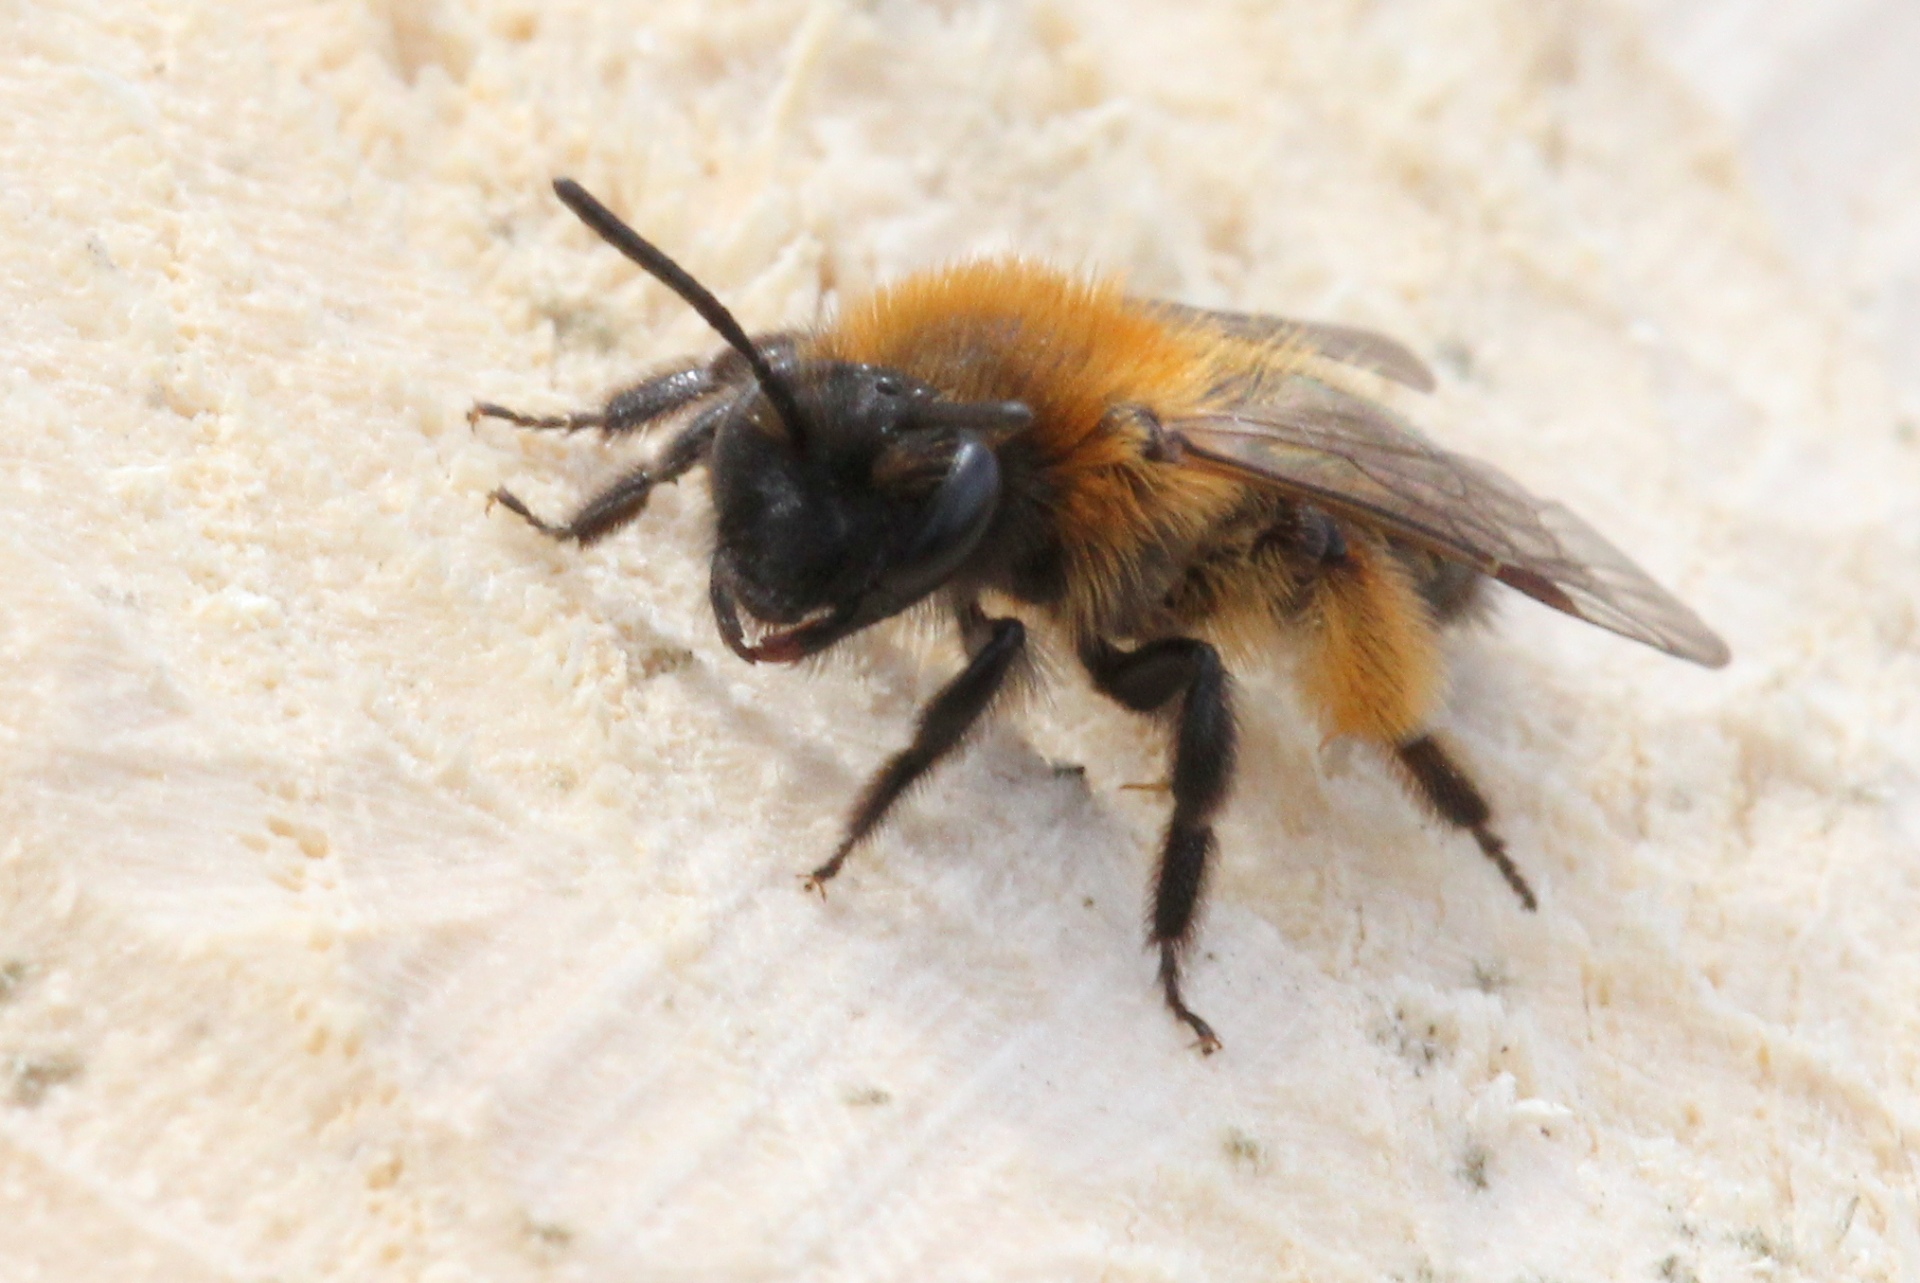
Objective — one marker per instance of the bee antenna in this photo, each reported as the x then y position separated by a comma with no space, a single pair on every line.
697,296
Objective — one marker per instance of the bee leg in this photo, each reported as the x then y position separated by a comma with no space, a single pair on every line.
622,501
625,411
1374,672
1147,680
1454,798
653,399
944,725
674,390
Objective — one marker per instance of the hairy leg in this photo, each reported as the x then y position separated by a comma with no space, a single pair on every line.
654,398
1147,680
1373,669
1446,788
636,407
996,646
622,501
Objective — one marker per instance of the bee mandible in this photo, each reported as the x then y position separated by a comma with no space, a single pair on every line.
1139,482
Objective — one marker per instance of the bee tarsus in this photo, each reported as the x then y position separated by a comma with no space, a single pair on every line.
1452,795
1209,1042
627,497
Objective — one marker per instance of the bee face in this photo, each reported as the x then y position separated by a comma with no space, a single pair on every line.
878,504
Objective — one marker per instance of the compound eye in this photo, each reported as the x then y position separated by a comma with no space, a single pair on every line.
956,518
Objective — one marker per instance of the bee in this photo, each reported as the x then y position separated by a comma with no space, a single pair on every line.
1140,483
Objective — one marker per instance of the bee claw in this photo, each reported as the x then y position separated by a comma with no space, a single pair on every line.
818,879
488,410
1208,1041
512,503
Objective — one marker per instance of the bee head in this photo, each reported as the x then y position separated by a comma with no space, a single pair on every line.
845,493
868,500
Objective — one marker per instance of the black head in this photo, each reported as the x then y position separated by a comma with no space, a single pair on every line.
891,491
844,493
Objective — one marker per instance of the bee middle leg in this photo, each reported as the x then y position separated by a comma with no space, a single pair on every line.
1148,680
996,646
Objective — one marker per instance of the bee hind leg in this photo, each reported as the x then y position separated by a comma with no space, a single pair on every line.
1149,680
1446,788
1373,670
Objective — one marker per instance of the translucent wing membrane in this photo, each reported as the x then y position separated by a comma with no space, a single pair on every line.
1362,349
1353,458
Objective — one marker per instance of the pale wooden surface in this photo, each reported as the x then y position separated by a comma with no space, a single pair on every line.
384,895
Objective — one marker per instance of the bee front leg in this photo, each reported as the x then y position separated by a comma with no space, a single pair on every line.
1147,680
944,725
622,501
652,399
626,411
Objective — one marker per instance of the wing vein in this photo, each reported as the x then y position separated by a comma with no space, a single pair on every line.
1318,443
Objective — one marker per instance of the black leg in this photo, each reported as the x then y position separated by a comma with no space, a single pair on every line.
1444,786
621,502
663,394
1147,680
634,408
944,724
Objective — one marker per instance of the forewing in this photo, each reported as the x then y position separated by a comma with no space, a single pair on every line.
1352,457
1349,345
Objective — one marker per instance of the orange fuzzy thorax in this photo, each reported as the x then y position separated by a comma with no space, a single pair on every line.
1072,350
1016,329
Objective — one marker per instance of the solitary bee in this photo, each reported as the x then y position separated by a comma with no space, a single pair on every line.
1005,441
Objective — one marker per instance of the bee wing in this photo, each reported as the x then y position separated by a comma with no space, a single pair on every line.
1353,458
1362,349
